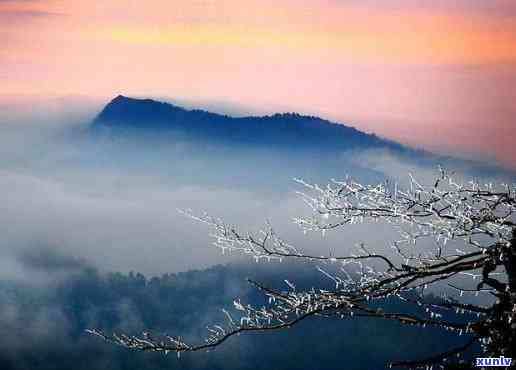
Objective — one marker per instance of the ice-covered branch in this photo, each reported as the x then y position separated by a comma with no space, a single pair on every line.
469,232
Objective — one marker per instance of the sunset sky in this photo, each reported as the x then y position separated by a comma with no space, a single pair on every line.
439,74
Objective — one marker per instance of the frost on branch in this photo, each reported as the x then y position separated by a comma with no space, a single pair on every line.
453,237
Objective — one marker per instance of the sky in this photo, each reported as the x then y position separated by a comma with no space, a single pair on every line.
436,74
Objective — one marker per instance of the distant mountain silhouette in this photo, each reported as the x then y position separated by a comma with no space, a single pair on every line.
287,130
287,144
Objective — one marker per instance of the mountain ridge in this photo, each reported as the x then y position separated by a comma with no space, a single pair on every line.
291,129
314,140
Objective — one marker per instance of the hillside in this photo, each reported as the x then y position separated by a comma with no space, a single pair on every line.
287,130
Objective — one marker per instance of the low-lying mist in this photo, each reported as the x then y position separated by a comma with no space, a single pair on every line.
114,200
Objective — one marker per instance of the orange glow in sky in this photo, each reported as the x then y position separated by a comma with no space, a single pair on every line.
406,69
